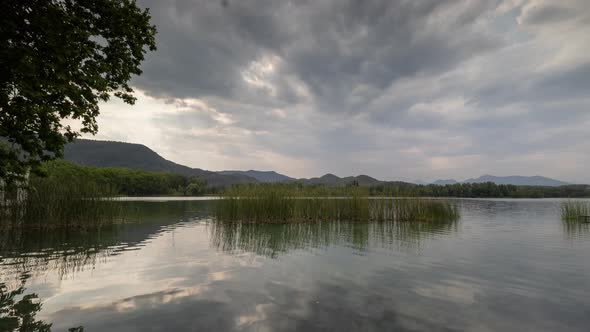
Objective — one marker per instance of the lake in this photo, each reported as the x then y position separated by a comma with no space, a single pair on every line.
506,265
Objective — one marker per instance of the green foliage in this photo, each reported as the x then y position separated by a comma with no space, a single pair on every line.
122,181
196,187
71,195
59,60
60,201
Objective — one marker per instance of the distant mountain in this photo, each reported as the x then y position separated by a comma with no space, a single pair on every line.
261,176
137,156
362,180
445,182
328,179
333,180
515,180
518,180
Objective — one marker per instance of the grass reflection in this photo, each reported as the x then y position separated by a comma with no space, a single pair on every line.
273,240
67,251
576,230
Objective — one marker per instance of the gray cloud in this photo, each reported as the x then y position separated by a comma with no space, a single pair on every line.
399,89
330,47
547,14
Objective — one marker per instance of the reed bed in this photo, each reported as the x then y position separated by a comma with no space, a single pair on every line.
282,203
413,209
576,211
57,202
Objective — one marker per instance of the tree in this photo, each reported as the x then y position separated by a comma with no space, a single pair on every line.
196,187
58,60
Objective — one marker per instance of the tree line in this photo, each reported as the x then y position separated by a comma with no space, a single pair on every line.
132,182
125,181
481,190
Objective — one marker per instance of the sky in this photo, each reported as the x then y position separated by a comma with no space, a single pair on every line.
396,89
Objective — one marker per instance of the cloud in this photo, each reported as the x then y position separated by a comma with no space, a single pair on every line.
282,52
547,12
397,89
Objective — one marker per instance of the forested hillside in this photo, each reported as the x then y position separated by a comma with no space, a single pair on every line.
140,157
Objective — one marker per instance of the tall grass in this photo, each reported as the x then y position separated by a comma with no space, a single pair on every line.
412,209
575,211
282,203
60,202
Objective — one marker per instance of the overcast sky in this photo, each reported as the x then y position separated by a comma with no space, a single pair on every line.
394,89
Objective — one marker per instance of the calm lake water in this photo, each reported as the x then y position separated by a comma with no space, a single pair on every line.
507,265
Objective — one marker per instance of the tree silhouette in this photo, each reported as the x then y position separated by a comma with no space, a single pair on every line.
59,59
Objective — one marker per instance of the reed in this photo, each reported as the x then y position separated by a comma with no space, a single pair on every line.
284,203
413,209
60,202
575,211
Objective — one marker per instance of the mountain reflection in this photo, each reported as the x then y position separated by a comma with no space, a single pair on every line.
273,240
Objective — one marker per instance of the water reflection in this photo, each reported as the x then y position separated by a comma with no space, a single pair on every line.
272,240
27,253
170,267
67,251
18,310
576,230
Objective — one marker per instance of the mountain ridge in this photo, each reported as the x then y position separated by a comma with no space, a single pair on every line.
137,156
261,176
443,182
517,180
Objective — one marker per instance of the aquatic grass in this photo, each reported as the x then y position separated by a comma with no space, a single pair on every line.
413,209
575,211
283,203
60,202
